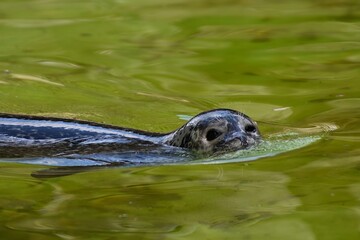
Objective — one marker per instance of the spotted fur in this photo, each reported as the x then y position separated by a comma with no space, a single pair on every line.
233,128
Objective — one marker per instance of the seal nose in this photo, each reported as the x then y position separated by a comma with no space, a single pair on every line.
237,136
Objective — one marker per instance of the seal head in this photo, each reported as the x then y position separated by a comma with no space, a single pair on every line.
216,131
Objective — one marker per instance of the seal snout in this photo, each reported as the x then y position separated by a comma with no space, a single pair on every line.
237,138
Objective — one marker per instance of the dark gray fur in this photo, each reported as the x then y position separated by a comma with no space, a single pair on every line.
238,131
30,136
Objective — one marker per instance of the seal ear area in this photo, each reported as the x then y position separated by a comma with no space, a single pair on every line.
182,138
186,141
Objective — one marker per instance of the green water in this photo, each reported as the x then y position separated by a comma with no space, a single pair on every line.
291,65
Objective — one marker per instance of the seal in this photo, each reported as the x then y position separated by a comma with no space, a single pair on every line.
212,132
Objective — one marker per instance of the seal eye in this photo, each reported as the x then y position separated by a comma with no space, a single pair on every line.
212,134
250,128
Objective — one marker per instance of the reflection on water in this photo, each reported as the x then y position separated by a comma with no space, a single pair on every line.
143,64
33,78
121,203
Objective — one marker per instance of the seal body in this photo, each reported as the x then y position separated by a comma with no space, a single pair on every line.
31,137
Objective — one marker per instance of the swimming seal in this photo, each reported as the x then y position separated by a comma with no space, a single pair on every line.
211,132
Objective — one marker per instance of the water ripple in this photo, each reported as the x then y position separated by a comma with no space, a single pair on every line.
36,23
27,77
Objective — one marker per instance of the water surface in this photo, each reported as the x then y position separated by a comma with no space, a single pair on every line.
291,65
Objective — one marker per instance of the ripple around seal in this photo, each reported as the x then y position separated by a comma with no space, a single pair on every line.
271,146
274,145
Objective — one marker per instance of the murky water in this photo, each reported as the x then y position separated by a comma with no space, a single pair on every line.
294,66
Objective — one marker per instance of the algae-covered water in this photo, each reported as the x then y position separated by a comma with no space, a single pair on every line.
293,66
